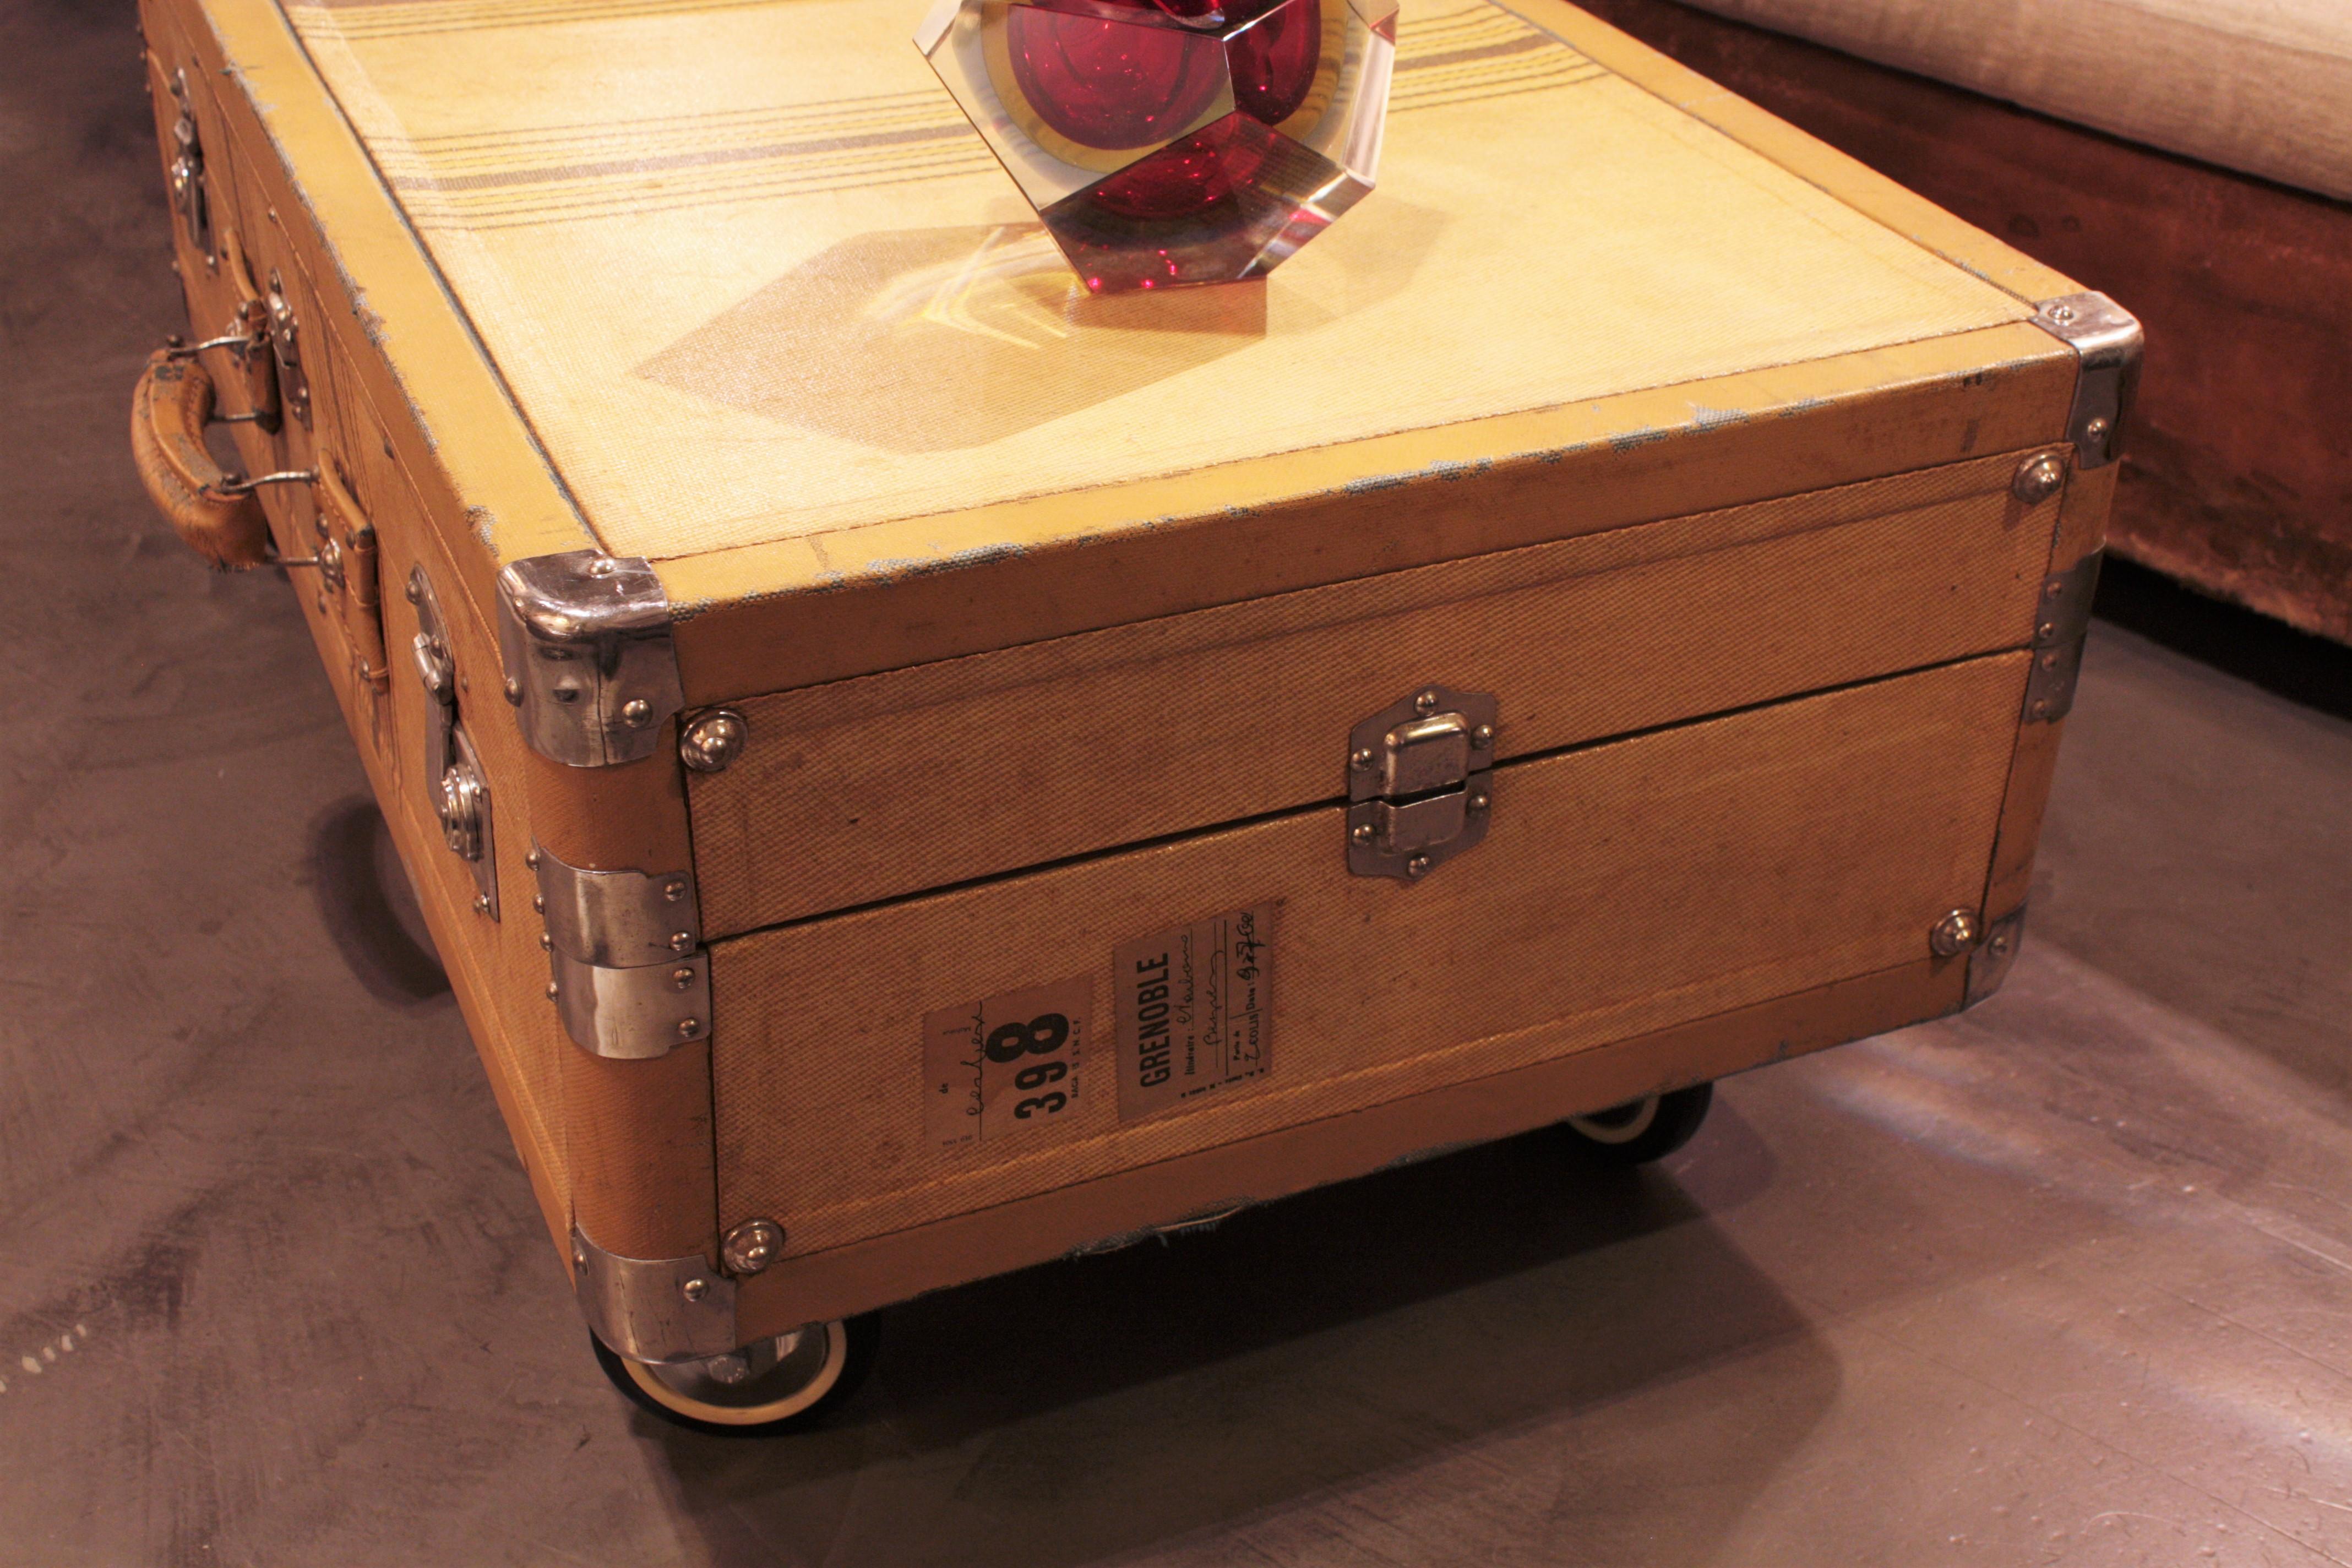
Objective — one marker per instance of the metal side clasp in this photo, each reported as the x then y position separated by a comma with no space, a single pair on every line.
453,780
1421,786
629,974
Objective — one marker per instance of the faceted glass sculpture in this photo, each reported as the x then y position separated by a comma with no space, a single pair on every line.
1174,141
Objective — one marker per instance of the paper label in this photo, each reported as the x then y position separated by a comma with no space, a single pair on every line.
1196,1010
1007,1064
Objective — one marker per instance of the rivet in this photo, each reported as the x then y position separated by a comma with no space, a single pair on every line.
1417,867
578,1256
538,903
1477,803
713,741
514,691
694,1290
2039,479
553,990
1483,736
2046,631
675,888
681,942
2041,707
603,566
1954,934
546,942
532,859
481,903
1425,703
2050,659
1361,833
2061,314
1362,760
681,978
688,1028
637,712
751,1246
2096,429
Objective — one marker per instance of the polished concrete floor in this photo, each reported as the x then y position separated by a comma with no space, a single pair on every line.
2066,1280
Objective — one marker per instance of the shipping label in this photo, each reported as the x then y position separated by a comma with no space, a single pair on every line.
1196,1010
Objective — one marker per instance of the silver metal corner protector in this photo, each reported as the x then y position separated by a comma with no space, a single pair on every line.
2062,624
590,665
2109,342
654,1309
627,971
1990,964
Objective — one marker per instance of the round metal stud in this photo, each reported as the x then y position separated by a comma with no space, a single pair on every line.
532,859
689,1028
1954,934
1362,760
681,942
637,712
695,1289
603,566
1477,803
514,691
2097,429
1361,833
674,890
1425,703
546,942
1483,736
751,1246
553,990
680,979
2039,479
711,742
1417,867
481,903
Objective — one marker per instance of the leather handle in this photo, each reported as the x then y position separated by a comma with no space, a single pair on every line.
169,411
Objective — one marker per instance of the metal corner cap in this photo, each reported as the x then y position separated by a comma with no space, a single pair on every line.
2107,341
591,667
2101,331
654,1309
581,595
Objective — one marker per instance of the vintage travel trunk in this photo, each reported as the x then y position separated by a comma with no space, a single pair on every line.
916,770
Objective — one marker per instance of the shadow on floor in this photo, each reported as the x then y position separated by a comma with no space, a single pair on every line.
1088,1408
367,906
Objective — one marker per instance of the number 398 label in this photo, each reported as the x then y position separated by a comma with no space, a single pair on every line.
1006,1065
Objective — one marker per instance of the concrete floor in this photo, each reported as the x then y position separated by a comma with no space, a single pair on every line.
2066,1280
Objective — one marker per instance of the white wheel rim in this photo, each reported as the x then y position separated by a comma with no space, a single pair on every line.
820,1383
1621,1124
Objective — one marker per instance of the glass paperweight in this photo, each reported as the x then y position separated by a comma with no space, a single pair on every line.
1174,141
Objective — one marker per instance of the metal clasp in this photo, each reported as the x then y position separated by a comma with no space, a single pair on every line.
186,174
1420,783
453,780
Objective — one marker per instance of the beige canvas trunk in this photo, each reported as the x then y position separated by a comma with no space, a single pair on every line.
1598,620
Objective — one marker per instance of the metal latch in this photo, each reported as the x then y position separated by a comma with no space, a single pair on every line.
347,569
1420,783
186,174
453,780
627,972
286,344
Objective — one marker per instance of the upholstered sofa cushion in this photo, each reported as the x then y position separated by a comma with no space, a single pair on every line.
2261,86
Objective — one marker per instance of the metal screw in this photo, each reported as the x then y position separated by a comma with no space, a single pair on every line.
689,1028
1954,934
713,741
751,1246
2039,479
1425,703
1362,760
675,888
695,1289
1417,867
1483,736
1361,833
681,978
637,712
681,942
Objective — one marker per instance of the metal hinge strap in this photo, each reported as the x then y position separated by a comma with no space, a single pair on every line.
628,974
2062,622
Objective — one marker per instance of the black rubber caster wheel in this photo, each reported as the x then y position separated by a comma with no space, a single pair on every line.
769,1386
1640,1130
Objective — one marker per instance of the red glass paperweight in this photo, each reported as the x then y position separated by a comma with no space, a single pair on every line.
1174,141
